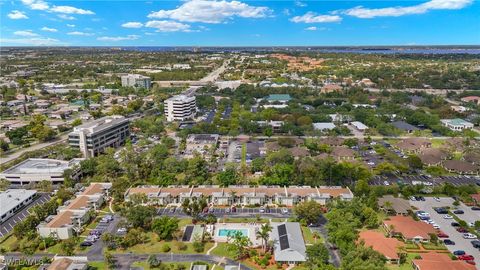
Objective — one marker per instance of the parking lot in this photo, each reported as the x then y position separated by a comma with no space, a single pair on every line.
446,227
240,212
457,180
7,226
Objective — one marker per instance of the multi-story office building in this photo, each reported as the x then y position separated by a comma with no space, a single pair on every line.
13,199
92,138
136,80
34,170
180,108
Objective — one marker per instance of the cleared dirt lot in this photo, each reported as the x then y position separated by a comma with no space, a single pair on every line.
445,225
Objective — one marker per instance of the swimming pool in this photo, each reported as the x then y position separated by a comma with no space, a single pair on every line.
231,232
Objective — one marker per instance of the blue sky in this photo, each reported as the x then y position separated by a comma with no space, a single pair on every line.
239,23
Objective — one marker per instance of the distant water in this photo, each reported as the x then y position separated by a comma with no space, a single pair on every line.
474,50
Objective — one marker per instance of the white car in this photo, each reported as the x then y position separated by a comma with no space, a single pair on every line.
285,210
447,217
437,199
469,236
435,226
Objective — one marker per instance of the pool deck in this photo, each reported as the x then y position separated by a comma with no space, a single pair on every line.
250,227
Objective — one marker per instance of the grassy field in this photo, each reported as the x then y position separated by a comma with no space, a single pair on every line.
308,236
97,266
155,246
187,265
405,266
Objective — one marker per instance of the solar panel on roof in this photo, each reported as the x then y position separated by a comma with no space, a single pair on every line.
282,230
284,242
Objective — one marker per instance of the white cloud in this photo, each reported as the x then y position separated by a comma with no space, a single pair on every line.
47,29
367,13
17,15
70,25
42,5
208,11
77,33
36,4
311,28
168,26
66,17
129,37
132,25
312,17
71,10
25,33
39,41
300,4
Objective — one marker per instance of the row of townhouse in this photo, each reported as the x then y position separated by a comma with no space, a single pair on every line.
75,213
241,195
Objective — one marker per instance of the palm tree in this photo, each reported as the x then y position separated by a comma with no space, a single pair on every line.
264,234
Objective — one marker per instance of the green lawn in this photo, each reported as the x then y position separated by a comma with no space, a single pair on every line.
97,265
405,266
187,265
308,236
155,246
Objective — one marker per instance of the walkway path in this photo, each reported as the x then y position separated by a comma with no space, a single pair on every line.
212,248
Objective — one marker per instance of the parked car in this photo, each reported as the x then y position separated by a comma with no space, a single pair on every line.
455,224
448,242
469,236
459,252
285,211
441,211
86,244
476,208
475,243
466,257
471,262
437,199
462,230
122,230
447,216
458,212
442,235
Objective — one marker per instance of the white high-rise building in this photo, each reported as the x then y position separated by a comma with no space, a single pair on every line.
136,80
180,108
93,137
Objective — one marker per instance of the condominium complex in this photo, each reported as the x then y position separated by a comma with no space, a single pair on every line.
136,80
92,138
13,199
180,108
34,170
242,195
75,213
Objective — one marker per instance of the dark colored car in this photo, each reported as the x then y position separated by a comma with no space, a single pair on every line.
448,242
475,243
458,252
462,230
458,212
441,211
455,224
86,244
476,208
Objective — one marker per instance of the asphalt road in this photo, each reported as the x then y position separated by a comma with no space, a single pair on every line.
445,225
7,226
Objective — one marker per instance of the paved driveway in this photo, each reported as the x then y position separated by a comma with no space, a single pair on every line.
445,225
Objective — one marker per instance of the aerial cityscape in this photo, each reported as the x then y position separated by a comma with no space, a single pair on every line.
240,135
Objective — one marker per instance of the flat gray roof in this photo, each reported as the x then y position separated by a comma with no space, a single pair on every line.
10,198
100,124
41,166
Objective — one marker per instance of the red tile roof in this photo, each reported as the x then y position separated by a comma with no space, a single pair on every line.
409,227
439,261
386,246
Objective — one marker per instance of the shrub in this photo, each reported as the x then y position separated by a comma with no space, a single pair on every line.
166,248
181,246
198,246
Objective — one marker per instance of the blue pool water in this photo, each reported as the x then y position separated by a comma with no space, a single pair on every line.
231,232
